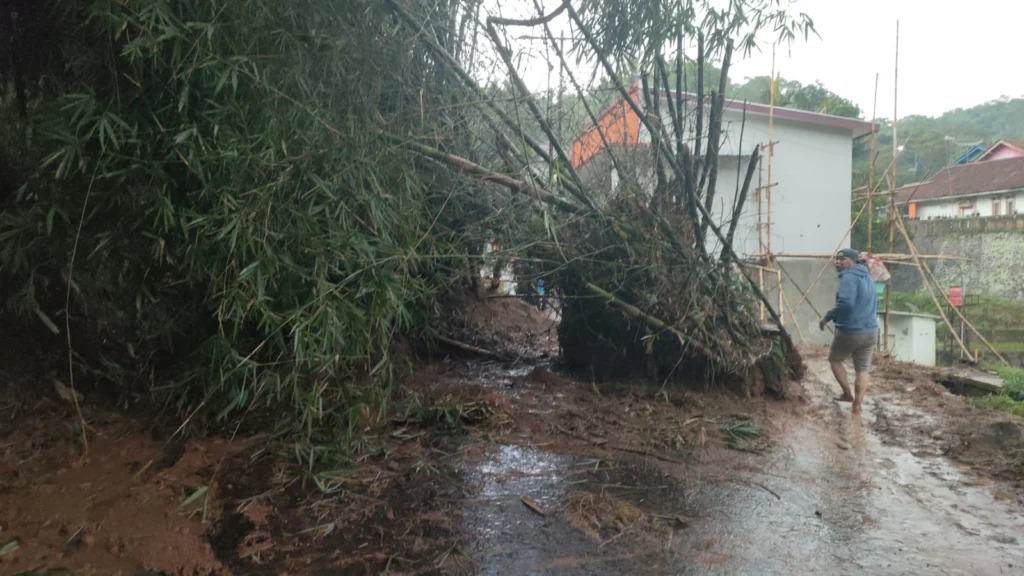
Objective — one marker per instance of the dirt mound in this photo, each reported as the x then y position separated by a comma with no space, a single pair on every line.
997,438
997,447
108,510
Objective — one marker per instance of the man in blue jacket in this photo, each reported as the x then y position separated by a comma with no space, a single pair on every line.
856,322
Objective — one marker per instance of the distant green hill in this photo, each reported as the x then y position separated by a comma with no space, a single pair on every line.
931,143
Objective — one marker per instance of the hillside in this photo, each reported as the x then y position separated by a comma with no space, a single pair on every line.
931,143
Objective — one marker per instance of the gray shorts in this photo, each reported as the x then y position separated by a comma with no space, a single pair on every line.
860,345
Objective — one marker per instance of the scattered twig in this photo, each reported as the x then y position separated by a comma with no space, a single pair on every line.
533,506
467,347
650,454
616,537
769,490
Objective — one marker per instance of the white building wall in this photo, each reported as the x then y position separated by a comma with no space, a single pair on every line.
934,210
811,170
982,205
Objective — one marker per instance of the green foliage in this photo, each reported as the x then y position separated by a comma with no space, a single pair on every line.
1012,397
244,239
1000,402
1013,378
932,143
638,31
792,94
739,432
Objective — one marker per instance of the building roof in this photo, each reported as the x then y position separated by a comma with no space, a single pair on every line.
855,125
966,179
1017,145
618,124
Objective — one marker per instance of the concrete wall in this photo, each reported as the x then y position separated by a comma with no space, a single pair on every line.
993,247
798,277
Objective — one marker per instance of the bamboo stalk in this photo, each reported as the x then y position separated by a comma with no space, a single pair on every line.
506,56
434,45
678,172
741,200
655,323
871,169
474,169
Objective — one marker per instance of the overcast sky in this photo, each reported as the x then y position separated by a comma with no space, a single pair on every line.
951,55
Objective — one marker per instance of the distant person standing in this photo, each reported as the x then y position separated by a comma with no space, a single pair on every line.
856,323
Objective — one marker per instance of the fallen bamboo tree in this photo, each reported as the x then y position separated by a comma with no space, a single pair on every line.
641,291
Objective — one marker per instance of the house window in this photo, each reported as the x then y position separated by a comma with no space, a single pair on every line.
997,206
966,209
1010,208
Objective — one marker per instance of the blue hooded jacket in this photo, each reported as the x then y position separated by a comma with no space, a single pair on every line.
856,307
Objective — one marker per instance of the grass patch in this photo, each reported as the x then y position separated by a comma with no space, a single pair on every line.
1009,346
1000,402
1014,381
1012,398
739,433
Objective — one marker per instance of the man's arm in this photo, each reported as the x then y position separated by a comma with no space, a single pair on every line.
845,296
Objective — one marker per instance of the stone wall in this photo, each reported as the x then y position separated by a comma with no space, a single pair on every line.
993,247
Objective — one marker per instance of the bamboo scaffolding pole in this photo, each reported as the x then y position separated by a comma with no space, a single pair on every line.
931,292
871,169
926,273
792,314
885,257
778,286
803,294
771,156
892,179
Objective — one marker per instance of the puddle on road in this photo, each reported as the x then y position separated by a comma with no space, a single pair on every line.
833,498
508,538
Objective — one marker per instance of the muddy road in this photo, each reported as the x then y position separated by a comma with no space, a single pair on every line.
835,494
523,471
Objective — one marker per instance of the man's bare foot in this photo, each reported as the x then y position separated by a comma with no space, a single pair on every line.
846,397
856,407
